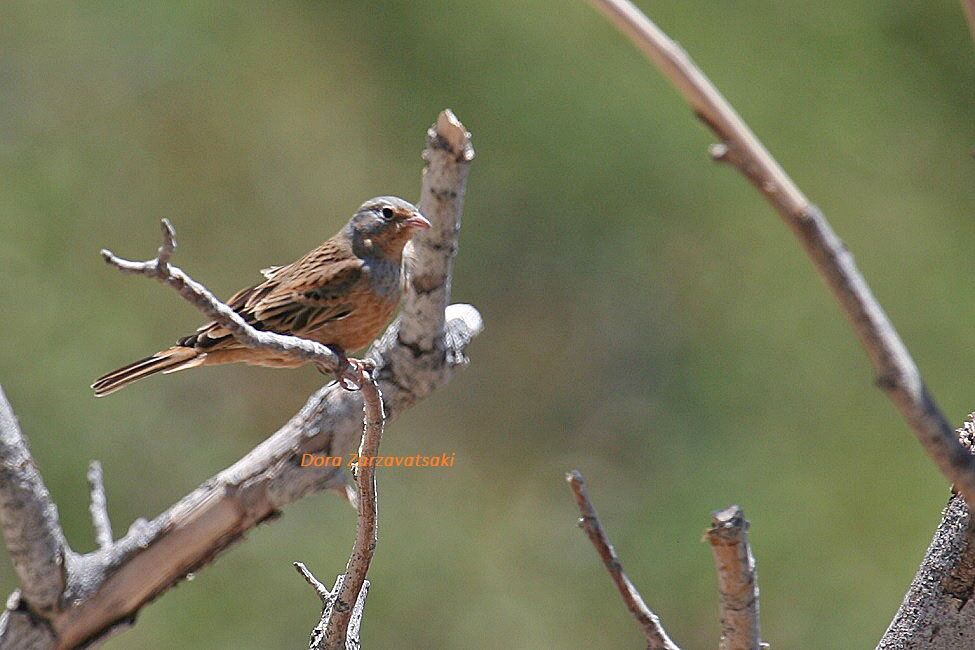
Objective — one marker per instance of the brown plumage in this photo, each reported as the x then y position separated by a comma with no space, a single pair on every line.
341,294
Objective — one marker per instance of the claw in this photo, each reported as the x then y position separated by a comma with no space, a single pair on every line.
353,372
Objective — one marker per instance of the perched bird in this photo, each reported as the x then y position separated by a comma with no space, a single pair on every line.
341,294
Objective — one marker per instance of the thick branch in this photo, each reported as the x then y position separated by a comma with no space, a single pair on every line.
657,638
737,580
31,529
938,611
110,586
896,371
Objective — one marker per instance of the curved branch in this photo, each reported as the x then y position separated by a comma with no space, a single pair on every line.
930,607
896,372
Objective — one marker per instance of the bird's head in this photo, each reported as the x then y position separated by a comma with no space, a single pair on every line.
384,225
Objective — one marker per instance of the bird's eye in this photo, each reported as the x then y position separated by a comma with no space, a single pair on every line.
387,213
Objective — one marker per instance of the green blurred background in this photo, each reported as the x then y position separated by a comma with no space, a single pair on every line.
649,319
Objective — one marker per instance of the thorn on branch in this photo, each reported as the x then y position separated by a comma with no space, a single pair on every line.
324,636
347,492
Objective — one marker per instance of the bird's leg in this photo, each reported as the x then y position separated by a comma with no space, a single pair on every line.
352,372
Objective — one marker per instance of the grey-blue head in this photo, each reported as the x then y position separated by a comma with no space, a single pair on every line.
384,225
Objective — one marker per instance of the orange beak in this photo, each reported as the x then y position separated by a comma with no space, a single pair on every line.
416,222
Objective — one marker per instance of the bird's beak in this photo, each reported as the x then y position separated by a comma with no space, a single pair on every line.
417,222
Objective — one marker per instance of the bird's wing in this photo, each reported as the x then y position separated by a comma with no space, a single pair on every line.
295,299
308,297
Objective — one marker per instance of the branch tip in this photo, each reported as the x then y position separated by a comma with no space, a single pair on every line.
737,579
315,583
454,134
647,620
169,242
98,506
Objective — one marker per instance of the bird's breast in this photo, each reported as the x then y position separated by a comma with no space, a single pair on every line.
384,277
373,304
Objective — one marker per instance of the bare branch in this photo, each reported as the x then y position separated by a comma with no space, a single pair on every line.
31,528
737,580
657,638
897,374
109,586
346,593
99,506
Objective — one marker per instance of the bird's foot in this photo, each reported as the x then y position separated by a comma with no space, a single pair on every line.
353,373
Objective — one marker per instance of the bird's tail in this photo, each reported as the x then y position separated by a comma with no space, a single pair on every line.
175,358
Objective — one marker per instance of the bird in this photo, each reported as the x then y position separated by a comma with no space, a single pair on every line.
341,295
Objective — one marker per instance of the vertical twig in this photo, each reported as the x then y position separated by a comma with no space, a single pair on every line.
99,506
338,627
737,580
657,638
346,594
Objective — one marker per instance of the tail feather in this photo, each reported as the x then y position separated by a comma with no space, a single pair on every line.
166,361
